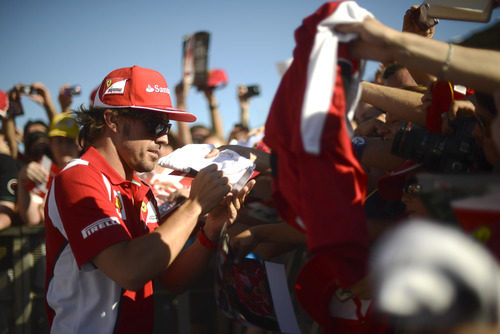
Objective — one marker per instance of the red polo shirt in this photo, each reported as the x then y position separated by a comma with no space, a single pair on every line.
90,207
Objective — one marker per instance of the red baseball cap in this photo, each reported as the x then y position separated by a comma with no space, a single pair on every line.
139,88
216,78
4,103
92,95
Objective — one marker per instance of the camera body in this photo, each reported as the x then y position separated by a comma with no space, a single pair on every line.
252,90
73,90
27,89
455,153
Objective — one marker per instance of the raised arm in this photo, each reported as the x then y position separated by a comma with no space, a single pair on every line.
474,68
181,92
399,103
213,106
43,98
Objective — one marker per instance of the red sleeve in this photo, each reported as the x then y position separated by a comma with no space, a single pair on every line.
87,212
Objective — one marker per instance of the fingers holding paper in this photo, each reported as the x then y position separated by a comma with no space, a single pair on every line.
227,210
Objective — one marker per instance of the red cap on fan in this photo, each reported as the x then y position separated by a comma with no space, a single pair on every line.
4,103
216,78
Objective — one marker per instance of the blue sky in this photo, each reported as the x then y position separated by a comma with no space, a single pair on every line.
79,42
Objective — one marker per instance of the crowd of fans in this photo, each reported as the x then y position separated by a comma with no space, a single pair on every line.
431,109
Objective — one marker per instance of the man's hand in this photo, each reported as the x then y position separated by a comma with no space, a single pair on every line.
65,99
42,96
181,93
226,211
243,243
208,188
374,42
413,23
33,172
462,107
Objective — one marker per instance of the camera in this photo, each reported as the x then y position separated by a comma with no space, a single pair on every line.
455,153
28,90
252,90
73,90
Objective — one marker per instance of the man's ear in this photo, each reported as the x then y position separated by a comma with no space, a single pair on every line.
111,120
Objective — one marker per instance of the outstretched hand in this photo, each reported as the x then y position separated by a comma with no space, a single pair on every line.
42,95
375,39
227,210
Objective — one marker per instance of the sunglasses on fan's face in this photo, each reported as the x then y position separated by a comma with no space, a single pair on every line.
155,125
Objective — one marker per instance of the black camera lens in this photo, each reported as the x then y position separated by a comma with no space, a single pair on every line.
417,144
456,153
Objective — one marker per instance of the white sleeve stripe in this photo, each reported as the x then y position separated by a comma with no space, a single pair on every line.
108,185
53,211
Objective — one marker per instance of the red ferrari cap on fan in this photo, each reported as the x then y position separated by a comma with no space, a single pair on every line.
4,103
139,88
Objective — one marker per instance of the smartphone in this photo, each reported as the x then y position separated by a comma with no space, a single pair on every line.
73,90
462,10
424,19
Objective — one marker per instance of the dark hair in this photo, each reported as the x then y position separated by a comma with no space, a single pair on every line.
34,122
91,123
36,145
241,127
391,69
202,138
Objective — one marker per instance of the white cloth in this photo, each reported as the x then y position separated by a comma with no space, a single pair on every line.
236,168
322,71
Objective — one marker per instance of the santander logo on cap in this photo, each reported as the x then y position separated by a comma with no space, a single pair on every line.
157,89
139,88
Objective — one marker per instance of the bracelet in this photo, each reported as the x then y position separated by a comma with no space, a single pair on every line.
358,146
205,241
446,64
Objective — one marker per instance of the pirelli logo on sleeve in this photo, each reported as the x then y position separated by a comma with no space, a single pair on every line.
99,225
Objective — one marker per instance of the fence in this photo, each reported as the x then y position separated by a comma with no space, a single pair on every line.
22,277
22,271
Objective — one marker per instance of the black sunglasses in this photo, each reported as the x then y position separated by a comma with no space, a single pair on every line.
155,125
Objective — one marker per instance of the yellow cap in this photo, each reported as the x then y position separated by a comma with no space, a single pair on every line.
63,125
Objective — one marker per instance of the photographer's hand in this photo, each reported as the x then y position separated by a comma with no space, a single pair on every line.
244,100
64,98
43,98
371,127
412,24
462,107
216,118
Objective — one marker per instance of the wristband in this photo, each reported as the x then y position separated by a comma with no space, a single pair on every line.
205,241
358,145
446,64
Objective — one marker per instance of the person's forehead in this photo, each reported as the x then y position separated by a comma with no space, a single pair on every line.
62,139
37,127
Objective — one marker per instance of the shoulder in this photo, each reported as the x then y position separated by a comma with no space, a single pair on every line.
78,172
